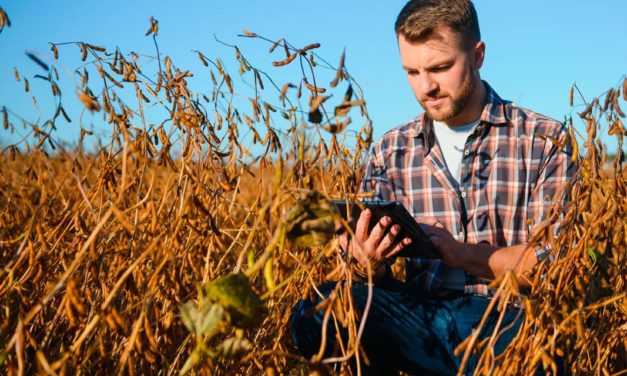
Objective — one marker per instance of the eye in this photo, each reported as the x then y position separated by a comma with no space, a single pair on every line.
441,68
412,72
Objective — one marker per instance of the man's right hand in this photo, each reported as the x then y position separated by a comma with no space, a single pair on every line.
376,247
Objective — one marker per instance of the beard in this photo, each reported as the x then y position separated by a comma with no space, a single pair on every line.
452,108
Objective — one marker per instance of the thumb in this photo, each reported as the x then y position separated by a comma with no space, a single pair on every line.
436,241
431,221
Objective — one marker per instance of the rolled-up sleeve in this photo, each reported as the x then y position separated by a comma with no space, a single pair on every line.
555,175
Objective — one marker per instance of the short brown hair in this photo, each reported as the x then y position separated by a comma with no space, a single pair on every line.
419,18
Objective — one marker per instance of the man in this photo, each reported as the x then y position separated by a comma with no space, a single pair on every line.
477,172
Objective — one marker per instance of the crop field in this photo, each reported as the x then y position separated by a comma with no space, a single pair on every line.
181,242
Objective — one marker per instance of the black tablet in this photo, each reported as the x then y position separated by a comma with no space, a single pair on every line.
420,247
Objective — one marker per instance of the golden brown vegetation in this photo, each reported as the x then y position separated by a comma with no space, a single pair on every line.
576,314
181,246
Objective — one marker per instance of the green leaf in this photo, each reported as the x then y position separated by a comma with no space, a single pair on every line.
593,254
201,321
188,314
311,222
234,345
235,294
210,320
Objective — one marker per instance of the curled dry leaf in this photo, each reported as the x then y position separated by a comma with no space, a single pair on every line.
311,222
154,27
571,95
340,71
90,103
4,19
55,51
5,118
337,127
38,61
249,34
315,115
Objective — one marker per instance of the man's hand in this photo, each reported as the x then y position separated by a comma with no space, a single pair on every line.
482,260
450,249
376,247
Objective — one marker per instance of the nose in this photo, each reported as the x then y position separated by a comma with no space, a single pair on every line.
428,86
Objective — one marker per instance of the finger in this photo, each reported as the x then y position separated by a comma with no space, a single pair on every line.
388,239
361,229
376,236
431,221
398,247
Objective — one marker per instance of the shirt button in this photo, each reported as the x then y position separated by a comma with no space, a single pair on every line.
464,194
460,235
466,152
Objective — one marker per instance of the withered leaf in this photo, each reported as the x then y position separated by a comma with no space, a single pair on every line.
38,61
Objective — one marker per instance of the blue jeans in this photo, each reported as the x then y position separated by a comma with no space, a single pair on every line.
407,331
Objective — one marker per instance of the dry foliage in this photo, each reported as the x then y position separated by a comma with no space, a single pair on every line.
183,243
576,315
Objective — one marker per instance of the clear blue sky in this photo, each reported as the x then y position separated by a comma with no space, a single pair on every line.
535,49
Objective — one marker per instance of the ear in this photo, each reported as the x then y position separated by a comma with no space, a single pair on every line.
478,53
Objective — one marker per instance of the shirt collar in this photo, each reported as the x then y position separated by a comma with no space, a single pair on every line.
494,109
493,114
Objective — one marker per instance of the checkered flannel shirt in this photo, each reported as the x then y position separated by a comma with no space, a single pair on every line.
509,175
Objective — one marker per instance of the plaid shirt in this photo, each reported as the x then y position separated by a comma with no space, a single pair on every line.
510,173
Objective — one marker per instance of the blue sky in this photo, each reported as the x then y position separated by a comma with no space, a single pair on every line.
535,49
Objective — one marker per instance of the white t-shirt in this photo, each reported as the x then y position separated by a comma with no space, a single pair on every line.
452,141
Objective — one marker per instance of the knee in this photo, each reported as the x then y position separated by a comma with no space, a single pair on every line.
305,328
306,323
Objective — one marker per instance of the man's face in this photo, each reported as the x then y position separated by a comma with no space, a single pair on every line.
443,75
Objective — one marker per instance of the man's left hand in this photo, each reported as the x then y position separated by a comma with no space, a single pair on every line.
483,259
450,249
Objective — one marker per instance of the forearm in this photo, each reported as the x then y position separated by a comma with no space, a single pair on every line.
490,262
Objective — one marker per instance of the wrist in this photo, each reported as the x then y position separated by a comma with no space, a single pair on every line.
479,259
462,257
379,272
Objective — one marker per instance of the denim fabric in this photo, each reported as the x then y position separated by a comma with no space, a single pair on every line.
406,331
